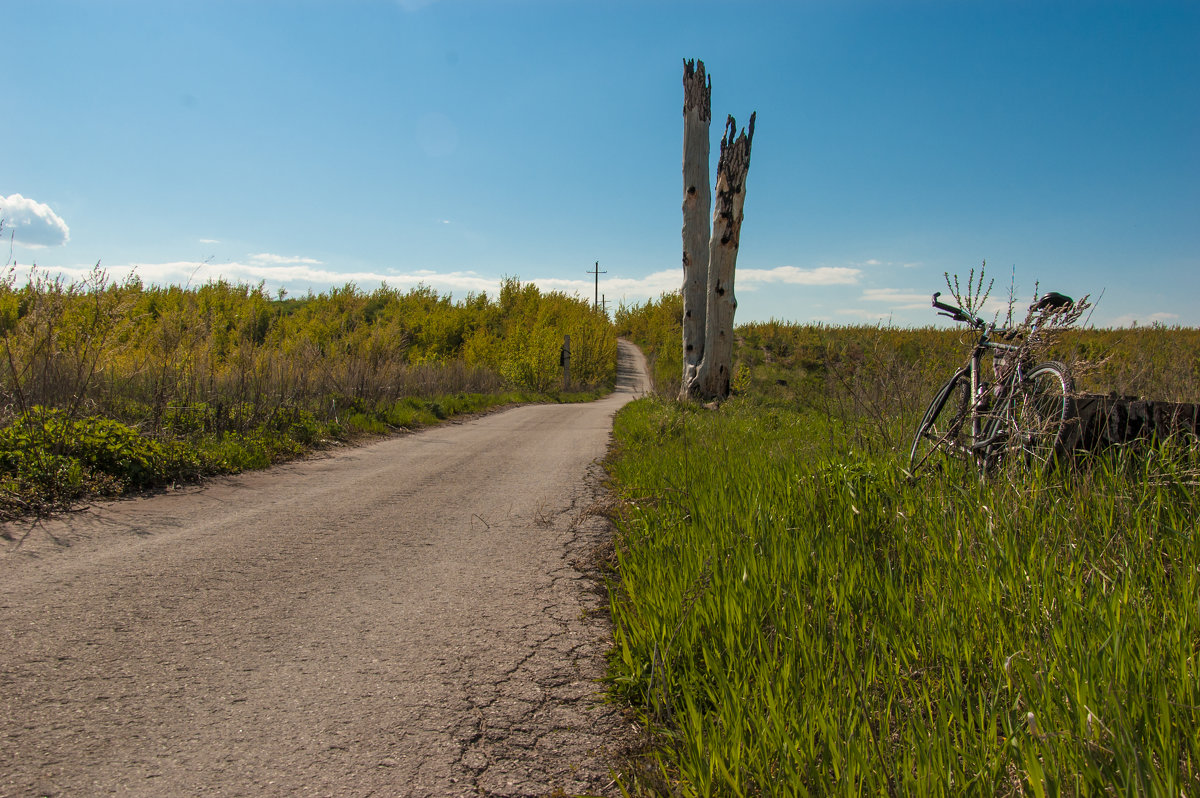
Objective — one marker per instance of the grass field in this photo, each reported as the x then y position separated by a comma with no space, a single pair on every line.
794,616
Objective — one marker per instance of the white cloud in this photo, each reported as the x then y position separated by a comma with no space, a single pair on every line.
1130,319
653,285
862,313
897,298
893,302
32,223
297,276
616,288
267,257
998,306
821,275
209,241
873,262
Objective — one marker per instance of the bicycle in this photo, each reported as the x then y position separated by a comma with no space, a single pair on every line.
1028,411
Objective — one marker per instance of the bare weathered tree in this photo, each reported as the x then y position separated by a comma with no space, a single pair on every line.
732,166
697,113
709,259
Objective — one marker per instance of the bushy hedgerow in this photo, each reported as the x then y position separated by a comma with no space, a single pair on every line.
110,386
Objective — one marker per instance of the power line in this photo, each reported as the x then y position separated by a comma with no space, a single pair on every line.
597,272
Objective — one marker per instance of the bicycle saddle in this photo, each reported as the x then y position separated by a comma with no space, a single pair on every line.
1052,301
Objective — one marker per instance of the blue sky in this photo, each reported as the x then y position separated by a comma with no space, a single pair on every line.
308,144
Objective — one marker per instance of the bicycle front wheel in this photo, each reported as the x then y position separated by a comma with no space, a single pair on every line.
1043,415
945,431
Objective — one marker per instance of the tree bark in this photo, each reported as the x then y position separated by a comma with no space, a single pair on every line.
732,166
697,114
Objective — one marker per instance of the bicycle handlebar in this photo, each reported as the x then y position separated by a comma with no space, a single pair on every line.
1050,302
958,314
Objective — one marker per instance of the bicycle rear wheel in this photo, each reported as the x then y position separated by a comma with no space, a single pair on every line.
945,431
1043,415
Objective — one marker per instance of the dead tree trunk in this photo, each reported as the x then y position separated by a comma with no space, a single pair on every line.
697,113
732,166
1110,420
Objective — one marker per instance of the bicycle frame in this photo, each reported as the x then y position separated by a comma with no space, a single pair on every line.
1000,403
1009,405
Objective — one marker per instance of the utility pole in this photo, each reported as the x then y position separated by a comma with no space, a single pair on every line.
597,272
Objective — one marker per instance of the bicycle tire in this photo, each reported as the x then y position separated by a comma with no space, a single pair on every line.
1044,416
945,429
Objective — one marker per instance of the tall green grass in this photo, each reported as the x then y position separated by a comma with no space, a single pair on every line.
794,617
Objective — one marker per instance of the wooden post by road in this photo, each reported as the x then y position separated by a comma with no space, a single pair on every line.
564,358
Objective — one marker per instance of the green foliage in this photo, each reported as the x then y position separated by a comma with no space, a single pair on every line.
127,386
798,618
48,459
526,348
94,444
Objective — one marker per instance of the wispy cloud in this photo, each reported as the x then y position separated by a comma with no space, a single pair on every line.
653,285
278,260
1131,319
876,262
616,288
210,241
33,224
299,273
889,303
296,274
792,275
897,298
865,313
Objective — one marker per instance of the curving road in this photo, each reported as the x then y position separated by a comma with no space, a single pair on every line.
402,618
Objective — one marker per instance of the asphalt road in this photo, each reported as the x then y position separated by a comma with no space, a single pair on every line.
401,618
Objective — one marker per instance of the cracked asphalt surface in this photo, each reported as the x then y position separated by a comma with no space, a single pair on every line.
403,618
